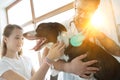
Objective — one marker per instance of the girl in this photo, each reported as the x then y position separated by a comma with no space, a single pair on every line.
14,66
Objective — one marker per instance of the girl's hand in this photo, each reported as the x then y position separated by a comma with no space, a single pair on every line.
56,51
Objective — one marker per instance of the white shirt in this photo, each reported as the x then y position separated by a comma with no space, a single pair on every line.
22,66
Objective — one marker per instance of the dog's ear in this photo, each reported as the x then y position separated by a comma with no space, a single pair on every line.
60,27
31,35
51,26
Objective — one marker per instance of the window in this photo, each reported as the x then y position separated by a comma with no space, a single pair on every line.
20,13
44,6
60,17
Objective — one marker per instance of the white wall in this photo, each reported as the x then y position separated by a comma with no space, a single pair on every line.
3,21
116,10
116,6
109,27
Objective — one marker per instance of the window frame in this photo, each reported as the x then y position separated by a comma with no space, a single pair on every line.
42,17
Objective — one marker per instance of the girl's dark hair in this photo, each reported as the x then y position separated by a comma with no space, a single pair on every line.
7,32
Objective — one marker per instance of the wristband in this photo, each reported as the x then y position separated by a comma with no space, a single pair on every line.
49,62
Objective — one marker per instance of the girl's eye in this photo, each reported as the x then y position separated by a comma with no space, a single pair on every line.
19,38
22,38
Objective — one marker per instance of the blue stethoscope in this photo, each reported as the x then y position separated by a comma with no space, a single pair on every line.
77,39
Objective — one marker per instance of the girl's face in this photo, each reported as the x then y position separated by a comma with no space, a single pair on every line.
15,41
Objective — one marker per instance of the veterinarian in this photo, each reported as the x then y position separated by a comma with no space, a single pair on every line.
84,9
14,66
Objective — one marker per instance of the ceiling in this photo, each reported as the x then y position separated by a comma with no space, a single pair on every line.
5,3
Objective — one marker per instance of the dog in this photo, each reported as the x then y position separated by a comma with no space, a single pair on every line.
52,31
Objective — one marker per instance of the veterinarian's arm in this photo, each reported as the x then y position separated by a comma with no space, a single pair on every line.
76,66
108,44
105,41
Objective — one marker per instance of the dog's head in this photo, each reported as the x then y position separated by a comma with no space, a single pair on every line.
45,33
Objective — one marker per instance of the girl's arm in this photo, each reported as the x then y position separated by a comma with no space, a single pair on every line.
55,52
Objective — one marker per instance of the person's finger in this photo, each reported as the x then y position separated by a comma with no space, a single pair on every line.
88,63
58,44
92,69
62,47
85,76
54,45
89,72
46,49
81,56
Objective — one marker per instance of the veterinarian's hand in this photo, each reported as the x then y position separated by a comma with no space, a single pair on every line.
82,68
56,51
